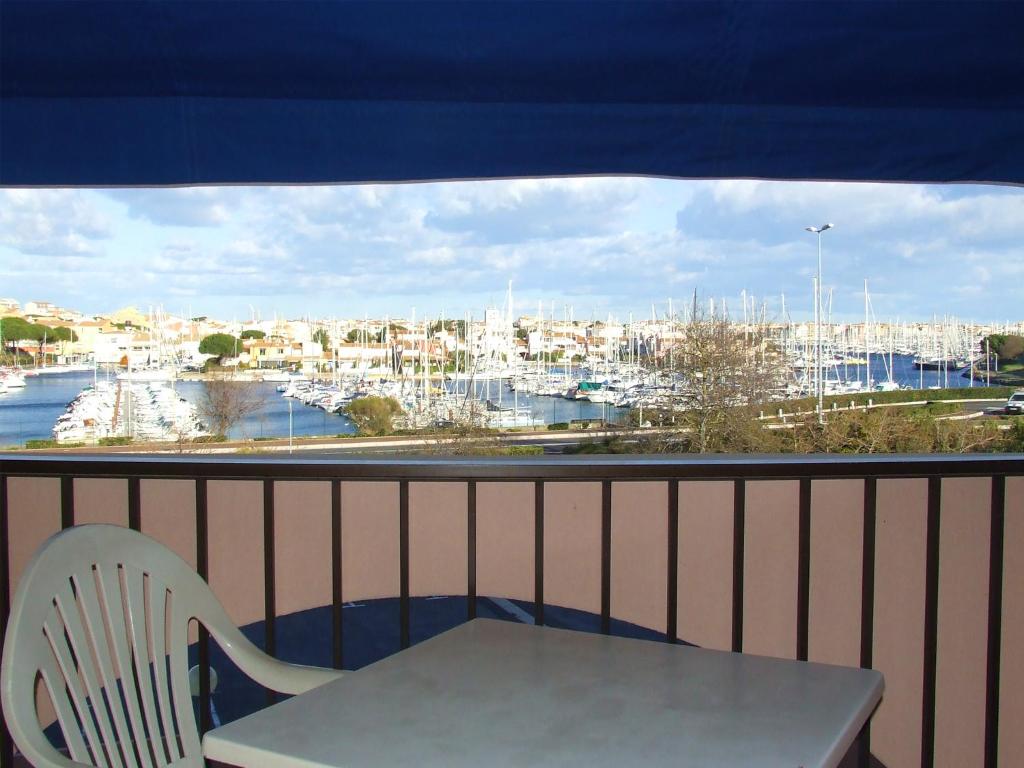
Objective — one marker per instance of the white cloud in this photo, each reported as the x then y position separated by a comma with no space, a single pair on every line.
179,207
610,243
51,222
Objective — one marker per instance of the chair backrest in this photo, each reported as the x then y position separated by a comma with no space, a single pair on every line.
102,614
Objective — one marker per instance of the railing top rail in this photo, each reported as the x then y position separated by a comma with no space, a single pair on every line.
590,467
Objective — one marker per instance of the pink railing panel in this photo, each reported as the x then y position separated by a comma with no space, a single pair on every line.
101,500
962,648
33,512
169,515
438,554
369,540
505,540
770,572
704,592
836,562
302,545
899,619
235,510
572,545
639,556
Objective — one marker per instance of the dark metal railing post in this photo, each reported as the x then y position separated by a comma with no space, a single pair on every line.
672,591
6,744
538,553
471,550
67,501
738,533
134,504
606,557
403,566
337,601
269,578
803,579
995,619
203,569
931,621
867,604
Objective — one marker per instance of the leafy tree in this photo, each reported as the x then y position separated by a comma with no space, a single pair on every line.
252,333
321,336
374,415
63,333
1007,346
19,329
452,326
219,344
353,336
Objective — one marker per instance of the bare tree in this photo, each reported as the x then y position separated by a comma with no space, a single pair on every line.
724,372
226,400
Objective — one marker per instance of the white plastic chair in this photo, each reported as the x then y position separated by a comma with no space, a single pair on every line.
100,604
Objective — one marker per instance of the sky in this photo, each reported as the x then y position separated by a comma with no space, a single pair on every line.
602,246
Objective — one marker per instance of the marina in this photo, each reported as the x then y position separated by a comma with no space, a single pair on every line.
32,410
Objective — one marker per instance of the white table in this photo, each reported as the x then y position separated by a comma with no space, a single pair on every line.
493,693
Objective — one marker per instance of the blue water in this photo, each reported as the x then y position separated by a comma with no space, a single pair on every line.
30,413
905,374
271,420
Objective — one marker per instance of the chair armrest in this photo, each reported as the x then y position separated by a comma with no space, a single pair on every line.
269,672
293,678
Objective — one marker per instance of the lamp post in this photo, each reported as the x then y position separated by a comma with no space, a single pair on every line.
818,368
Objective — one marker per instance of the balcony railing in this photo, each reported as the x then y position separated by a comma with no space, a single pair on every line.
910,565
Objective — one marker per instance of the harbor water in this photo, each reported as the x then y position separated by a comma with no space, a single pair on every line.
29,413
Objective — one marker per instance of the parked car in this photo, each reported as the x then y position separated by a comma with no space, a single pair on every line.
1015,405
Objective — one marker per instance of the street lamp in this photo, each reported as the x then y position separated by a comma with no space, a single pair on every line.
818,368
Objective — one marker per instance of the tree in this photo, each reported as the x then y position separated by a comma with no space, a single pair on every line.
252,333
15,329
374,415
353,336
725,372
1007,346
225,401
219,344
321,336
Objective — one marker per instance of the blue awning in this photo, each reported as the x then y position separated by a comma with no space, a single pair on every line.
155,93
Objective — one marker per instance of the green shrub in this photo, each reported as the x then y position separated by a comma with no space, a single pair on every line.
374,415
524,450
30,444
120,440
559,425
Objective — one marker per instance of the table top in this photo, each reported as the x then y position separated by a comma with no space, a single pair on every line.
498,693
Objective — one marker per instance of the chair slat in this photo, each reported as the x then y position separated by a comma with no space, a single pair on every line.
113,600
87,653
99,630
67,698
190,742
158,640
135,586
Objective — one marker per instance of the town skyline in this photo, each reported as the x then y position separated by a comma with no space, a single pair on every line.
599,245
